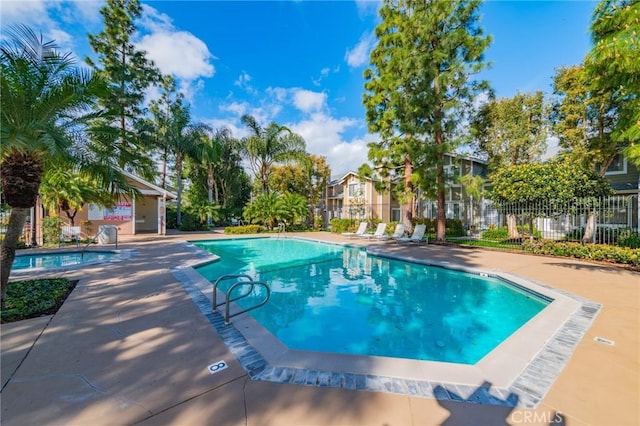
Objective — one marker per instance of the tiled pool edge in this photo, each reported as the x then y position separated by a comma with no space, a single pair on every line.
525,391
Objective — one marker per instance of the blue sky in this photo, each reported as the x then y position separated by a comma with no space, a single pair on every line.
301,63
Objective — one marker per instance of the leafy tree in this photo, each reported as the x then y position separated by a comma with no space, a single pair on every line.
613,67
583,118
269,145
289,178
419,86
512,130
266,209
65,188
205,211
129,74
47,103
294,208
546,189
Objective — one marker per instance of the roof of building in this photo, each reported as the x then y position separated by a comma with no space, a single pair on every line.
151,189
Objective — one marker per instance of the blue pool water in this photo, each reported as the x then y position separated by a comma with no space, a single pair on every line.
58,260
330,298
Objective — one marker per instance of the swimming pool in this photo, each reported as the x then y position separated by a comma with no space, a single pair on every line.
58,260
45,261
518,372
335,299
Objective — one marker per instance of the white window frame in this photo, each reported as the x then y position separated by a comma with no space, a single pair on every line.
618,172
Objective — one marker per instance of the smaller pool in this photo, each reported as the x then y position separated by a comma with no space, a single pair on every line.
60,259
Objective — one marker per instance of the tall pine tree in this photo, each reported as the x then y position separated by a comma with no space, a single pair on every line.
419,87
129,73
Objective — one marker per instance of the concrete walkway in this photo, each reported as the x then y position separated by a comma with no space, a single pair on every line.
129,346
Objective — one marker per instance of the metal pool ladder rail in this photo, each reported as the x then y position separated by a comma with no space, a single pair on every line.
228,299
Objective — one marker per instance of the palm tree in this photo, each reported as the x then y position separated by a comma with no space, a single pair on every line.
47,103
210,153
182,139
269,145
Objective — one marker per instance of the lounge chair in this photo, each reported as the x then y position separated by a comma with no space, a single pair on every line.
380,230
361,230
416,237
398,233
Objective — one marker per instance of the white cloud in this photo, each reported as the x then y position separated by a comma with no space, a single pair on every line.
31,13
324,136
368,7
236,131
179,53
175,52
243,79
278,92
359,54
87,11
155,21
235,107
308,101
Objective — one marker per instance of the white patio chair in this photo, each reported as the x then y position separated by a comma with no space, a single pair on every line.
380,230
416,237
361,230
397,233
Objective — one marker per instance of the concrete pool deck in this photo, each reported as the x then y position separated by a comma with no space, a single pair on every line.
130,347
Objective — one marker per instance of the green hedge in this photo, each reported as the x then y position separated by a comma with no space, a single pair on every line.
502,233
453,227
245,229
344,225
599,252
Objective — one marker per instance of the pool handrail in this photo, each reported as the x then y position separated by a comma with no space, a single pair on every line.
214,299
229,299
227,315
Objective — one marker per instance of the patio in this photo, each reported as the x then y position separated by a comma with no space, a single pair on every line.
129,346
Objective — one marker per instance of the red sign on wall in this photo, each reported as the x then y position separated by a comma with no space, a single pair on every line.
121,212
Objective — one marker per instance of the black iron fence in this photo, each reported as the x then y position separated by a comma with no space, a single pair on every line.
589,220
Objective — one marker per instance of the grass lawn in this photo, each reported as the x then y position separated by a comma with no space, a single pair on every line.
34,298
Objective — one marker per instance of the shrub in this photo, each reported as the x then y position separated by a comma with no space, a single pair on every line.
629,238
51,229
344,225
599,252
453,227
318,222
298,227
33,298
245,229
498,234
604,235
189,222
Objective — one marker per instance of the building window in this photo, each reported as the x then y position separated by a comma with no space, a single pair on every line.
618,165
356,189
395,215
